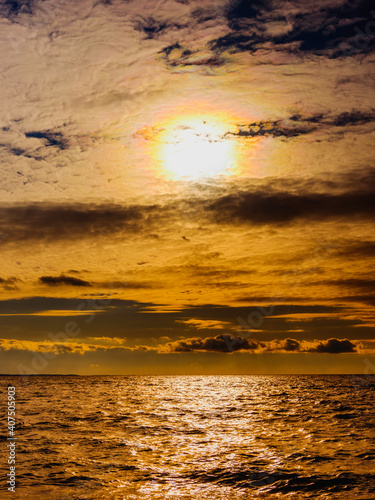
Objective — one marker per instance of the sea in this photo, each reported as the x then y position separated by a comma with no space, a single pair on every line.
190,437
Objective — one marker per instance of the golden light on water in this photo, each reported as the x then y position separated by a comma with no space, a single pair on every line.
194,146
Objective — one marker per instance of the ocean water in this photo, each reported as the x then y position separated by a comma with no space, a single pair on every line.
191,437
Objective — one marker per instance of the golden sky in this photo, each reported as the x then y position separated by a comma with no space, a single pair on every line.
187,187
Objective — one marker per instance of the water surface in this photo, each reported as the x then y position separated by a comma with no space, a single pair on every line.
193,437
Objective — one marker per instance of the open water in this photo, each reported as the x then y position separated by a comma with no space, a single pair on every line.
191,437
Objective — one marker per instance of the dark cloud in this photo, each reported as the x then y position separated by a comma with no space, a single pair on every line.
273,128
17,151
353,118
12,8
131,285
135,320
118,306
202,14
63,280
297,124
363,284
10,283
245,9
358,249
212,271
153,27
178,56
58,222
322,31
237,41
265,207
334,346
31,305
49,138
325,30
291,345
220,343
293,126
221,312
360,298
260,204
227,343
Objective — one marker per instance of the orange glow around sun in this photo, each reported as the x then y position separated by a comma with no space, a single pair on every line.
195,145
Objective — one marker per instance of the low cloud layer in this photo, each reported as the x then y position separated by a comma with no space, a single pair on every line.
229,343
223,343
57,348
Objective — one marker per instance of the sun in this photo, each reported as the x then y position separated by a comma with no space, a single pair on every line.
195,146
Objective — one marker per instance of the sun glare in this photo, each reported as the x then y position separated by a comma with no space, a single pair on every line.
195,147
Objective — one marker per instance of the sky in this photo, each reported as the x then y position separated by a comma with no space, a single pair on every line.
187,187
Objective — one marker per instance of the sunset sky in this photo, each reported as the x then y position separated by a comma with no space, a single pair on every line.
187,186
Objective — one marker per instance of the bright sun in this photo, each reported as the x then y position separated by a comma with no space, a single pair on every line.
194,147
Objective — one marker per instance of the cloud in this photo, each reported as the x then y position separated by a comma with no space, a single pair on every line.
32,305
177,56
267,207
220,343
245,9
49,138
153,27
289,127
291,345
359,298
52,222
106,340
362,284
45,346
227,343
297,124
323,29
111,285
12,8
10,283
361,249
202,324
130,285
35,318
273,128
259,203
63,280
334,346
72,346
